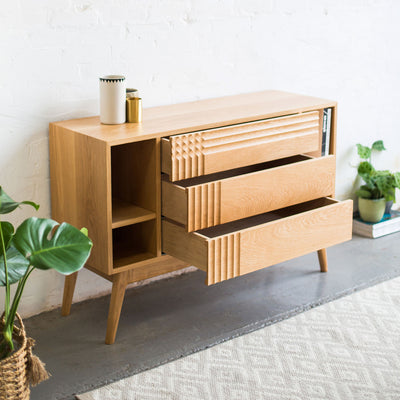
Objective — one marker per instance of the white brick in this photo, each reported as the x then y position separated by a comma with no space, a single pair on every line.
53,51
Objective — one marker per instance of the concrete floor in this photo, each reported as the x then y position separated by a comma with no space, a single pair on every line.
169,319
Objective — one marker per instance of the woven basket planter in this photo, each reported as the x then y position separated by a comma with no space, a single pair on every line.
21,368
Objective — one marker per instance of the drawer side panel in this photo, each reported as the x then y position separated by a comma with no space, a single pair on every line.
174,202
190,248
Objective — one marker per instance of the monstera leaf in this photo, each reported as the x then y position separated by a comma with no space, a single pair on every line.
7,204
8,231
16,265
47,245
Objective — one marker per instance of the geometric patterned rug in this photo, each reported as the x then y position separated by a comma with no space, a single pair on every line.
346,349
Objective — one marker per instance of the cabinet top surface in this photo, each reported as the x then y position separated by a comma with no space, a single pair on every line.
197,115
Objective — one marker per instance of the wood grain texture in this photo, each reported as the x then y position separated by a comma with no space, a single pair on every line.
136,181
133,244
155,267
223,258
205,152
134,173
108,178
235,197
204,206
296,235
191,248
174,202
292,232
166,165
318,152
127,213
187,156
63,174
120,281
198,115
157,189
80,190
69,288
323,260
277,187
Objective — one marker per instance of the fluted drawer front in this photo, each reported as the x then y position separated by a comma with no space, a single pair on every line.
244,246
199,203
200,153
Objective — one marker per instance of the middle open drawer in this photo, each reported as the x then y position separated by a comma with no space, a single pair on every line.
214,199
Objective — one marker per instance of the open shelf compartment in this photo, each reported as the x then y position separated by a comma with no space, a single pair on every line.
134,243
133,172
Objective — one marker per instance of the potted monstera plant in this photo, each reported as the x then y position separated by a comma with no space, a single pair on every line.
379,187
37,243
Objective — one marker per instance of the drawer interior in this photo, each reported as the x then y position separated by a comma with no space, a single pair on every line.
250,222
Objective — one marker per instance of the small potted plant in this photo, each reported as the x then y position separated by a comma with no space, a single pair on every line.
379,186
37,243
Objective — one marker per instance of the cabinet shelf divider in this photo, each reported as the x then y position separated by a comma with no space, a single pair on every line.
124,213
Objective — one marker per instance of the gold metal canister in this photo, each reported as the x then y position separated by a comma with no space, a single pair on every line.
132,92
133,107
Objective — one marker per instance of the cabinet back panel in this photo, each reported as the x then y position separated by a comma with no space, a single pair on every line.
134,173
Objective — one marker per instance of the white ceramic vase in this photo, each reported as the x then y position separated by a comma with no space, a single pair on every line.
112,99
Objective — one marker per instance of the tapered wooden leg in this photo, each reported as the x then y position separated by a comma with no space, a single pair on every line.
323,260
120,282
69,288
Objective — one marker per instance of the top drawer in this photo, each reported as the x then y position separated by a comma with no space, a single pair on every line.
204,152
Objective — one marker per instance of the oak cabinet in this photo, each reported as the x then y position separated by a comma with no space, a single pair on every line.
229,185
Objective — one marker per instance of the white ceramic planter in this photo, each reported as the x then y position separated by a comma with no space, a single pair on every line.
112,99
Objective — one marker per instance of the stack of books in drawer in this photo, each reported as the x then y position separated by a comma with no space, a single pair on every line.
390,223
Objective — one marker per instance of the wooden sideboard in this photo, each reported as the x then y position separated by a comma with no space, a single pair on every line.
230,185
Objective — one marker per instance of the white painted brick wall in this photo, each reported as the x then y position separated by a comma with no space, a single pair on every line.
52,52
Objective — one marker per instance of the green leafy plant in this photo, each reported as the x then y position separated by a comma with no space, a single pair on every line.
365,152
378,184
36,243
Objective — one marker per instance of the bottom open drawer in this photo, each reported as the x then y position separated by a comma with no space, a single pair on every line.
237,248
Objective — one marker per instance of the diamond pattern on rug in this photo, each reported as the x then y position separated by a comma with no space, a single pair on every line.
347,349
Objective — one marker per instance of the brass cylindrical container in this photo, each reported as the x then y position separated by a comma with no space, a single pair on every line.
133,107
